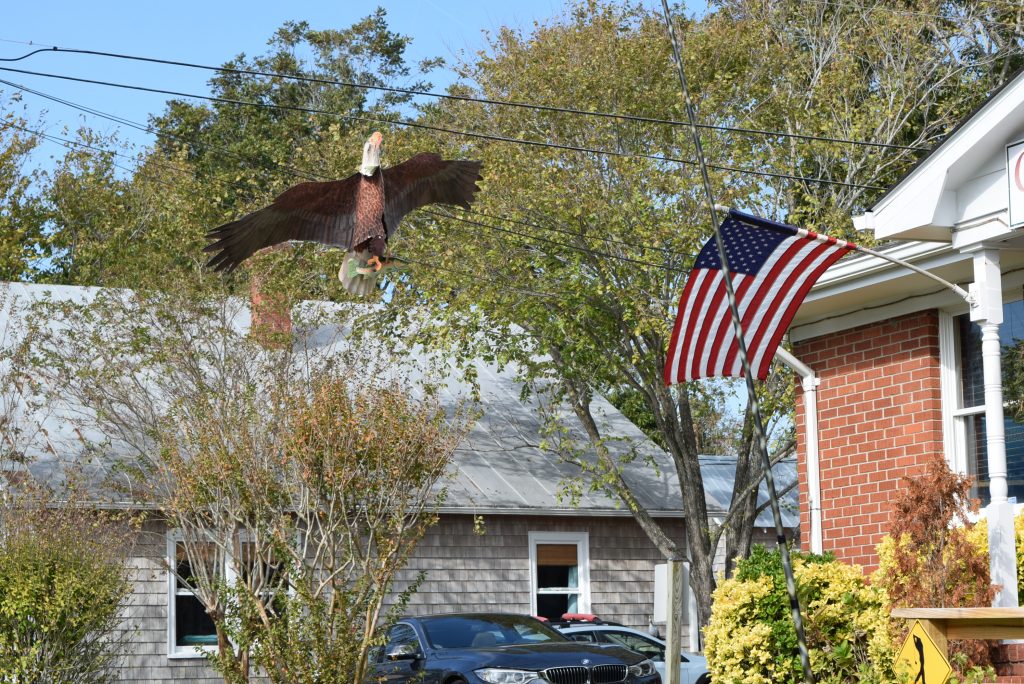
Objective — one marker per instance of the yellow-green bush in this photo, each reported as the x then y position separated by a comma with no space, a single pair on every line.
751,639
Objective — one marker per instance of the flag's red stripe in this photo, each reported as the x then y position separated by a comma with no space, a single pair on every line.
697,309
787,316
726,336
768,325
757,296
673,350
710,305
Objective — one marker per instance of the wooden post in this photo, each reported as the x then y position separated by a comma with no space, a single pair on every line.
674,626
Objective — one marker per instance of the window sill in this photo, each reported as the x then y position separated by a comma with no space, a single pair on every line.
196,653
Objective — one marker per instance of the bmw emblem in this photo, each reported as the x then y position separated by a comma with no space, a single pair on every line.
585,661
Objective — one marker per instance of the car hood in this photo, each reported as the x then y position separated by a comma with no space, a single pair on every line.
542,656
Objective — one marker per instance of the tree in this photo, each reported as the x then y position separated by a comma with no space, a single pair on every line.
22,239
928,557
902,76
300,473
64,585
572,261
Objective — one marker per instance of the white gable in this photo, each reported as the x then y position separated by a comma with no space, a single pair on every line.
958,194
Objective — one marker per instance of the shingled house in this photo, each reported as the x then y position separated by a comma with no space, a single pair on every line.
538,554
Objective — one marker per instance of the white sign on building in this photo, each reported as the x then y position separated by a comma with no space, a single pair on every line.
1015,182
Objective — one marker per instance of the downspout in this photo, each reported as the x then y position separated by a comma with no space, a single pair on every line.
809,381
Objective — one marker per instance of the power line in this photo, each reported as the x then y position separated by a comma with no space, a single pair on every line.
441,129
467,98
307,175
531,239
476,276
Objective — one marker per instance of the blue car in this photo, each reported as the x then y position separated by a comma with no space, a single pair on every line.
495,648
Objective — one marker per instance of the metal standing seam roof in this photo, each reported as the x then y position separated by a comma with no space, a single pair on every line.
498,469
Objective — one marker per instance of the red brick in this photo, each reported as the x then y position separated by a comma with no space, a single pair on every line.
879,419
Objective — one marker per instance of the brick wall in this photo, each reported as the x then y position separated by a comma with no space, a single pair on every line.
879,418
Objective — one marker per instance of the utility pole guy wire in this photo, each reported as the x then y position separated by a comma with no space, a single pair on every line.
762,441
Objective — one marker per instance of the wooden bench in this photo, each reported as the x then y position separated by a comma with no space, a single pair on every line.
967,623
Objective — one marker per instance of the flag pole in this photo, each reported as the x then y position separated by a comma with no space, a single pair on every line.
761,439
906,264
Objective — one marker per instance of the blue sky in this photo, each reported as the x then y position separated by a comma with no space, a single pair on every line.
211,33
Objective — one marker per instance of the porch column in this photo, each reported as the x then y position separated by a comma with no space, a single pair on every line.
988,293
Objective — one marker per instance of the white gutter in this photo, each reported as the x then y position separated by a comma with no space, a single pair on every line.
809,382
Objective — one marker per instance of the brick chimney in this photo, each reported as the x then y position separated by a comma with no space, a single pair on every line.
271,311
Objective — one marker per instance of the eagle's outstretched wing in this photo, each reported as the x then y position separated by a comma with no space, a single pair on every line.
427,179
320,212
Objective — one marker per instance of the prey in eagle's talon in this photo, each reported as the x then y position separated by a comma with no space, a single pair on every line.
358,214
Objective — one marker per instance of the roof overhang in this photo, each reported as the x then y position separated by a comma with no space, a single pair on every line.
944,188
862,289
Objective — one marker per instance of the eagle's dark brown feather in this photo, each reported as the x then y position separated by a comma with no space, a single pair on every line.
427,179
346,212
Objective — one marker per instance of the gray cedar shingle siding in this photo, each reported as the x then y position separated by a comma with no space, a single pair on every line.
470,572
465,572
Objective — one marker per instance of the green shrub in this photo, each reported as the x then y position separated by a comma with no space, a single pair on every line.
751,638
63,582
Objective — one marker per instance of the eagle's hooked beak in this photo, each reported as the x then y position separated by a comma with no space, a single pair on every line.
371,154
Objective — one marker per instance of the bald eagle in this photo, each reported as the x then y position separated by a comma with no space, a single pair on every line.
358,214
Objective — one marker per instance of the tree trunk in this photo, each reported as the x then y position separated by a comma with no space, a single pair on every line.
739,527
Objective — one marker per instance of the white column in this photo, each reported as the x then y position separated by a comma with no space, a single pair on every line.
989,312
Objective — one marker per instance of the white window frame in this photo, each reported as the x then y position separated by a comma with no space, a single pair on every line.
954,427
230,574
174,537
582,542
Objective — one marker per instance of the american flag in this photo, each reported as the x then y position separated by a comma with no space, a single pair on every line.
772,265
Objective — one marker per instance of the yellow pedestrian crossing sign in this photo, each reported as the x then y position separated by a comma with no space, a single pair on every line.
921,659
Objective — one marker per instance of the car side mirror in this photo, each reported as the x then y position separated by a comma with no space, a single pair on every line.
402,652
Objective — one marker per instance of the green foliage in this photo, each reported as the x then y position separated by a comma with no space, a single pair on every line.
63,585
751,638
22,239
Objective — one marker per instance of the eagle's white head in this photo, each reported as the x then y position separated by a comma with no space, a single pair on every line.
371,154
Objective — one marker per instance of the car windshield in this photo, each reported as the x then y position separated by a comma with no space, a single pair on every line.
481,631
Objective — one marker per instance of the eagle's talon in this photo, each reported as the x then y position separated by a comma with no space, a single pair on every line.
374,262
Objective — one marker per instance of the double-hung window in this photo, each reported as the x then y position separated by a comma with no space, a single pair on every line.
968,414
189,628
559,573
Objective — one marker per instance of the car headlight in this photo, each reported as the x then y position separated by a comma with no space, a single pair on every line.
499,675
644,668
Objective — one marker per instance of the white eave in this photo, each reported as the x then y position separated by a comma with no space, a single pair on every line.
943,190
863,288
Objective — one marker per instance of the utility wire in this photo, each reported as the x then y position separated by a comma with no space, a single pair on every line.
467,98
313,176
752,401
441,129
531,239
